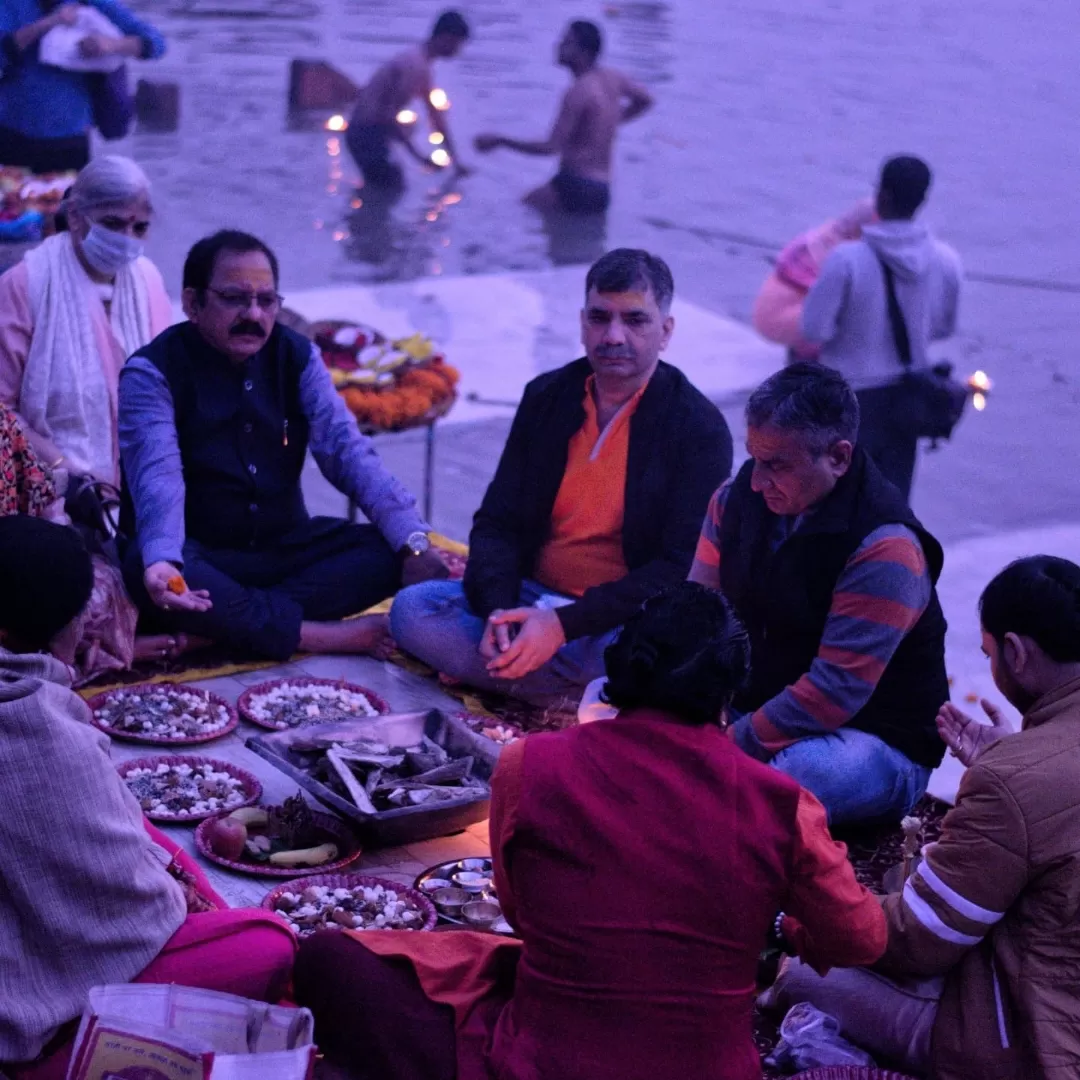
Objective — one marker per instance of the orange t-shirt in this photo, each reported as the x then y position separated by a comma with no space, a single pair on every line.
584,547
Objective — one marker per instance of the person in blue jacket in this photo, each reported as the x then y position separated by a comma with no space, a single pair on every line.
46,112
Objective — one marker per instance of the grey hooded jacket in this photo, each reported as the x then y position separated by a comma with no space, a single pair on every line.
846,311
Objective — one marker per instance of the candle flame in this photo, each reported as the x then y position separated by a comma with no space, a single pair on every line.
439,99
436,138
406,116
440,157
336,123
980,381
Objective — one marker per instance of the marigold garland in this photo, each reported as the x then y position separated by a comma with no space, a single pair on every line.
401,384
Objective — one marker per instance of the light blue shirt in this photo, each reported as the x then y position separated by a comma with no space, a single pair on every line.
154,473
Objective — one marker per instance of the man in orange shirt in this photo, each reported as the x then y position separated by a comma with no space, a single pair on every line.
594,507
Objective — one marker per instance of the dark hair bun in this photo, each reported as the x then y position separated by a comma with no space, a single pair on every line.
684,653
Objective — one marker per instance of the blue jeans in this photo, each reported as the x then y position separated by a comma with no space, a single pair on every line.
855,775
434,623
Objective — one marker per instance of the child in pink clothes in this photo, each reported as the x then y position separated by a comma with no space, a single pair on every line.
778,307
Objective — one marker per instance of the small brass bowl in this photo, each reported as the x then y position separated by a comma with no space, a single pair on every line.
450,901
481,913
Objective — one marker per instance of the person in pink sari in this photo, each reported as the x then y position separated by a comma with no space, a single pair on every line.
90,893
778,308
71,313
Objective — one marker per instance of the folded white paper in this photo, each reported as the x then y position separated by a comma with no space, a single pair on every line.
60,46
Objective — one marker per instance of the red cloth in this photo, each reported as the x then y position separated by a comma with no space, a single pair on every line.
642,861
248,952
646,860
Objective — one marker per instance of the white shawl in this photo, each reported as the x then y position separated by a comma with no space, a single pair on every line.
65,394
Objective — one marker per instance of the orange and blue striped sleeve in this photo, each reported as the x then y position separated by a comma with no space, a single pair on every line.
880,595
705,569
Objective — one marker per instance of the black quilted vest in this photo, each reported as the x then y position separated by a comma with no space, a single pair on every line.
783,597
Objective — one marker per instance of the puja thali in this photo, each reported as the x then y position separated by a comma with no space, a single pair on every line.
183,789
287,841
463,893
166,714
281,704
350,902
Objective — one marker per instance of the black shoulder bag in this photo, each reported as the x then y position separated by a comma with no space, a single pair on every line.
94,507
937,400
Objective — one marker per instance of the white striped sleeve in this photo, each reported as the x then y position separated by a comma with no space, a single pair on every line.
966,908
966,882
930,920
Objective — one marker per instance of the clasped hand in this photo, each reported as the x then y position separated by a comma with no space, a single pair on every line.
519,641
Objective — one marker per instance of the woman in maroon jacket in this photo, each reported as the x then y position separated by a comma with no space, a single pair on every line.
643,861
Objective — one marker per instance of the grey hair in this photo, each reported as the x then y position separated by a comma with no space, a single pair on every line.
108,181
810,399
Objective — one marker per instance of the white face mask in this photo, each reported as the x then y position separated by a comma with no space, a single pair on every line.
108,252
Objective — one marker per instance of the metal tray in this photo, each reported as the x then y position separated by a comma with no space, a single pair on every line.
408,824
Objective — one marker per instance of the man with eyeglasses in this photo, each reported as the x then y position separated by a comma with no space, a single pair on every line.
216,416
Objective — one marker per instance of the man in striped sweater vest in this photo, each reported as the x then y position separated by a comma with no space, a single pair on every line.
834,578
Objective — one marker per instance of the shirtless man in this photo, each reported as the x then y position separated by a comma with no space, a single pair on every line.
599,100
374,125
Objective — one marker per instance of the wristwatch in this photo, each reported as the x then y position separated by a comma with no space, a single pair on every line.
417,543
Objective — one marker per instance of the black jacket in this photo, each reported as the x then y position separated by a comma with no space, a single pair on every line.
783,597
680,453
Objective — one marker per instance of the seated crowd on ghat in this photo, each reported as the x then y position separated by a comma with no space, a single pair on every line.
768,650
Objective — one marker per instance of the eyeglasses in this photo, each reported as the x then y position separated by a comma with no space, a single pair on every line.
241,301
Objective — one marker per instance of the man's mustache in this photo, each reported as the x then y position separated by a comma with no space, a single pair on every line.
252,328
612,352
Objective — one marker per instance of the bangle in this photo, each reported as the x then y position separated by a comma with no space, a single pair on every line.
781,941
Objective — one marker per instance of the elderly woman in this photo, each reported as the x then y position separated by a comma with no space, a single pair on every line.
89,892
71,313
46,112
643,861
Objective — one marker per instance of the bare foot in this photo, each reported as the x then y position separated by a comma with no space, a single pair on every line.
166,646
369,634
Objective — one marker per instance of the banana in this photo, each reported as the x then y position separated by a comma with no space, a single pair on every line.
315,856
251,815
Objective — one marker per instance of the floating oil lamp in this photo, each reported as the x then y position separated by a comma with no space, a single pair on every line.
406,116
980,385
439,99
336,123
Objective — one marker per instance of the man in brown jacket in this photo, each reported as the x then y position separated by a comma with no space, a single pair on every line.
984,941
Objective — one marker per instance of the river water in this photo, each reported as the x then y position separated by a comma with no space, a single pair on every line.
771,116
